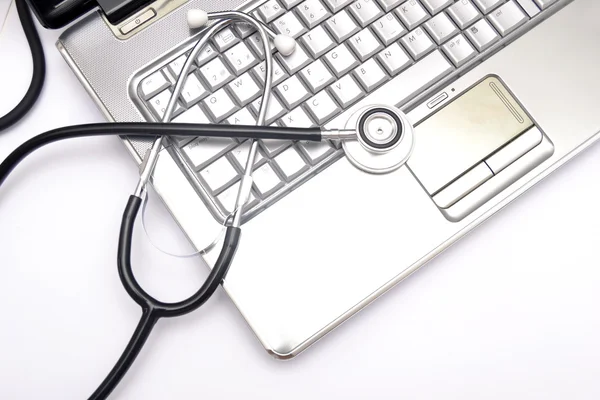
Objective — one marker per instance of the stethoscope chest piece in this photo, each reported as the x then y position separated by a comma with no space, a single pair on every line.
384,139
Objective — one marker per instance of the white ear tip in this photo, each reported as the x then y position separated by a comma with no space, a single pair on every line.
285,44
197,18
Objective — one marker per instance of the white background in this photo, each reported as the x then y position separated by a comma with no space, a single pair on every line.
509,312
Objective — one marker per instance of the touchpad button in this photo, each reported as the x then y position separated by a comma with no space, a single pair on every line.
465,132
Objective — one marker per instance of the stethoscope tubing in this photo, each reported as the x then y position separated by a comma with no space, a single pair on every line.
152,309
151,131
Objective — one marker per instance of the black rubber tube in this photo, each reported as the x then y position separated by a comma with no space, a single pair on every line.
232,237
137,341
153,130
152,309
39,68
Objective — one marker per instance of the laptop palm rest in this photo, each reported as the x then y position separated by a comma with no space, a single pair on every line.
470,142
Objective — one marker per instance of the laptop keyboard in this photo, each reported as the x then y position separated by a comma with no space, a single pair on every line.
347,49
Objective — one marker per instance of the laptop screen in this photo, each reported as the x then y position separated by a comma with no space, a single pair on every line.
117,10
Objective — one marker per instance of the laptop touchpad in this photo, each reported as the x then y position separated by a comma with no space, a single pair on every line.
466,132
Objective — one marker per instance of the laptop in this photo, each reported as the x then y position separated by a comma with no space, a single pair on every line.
500,94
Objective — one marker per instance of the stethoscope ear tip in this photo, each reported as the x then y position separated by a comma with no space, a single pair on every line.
285,44
197,18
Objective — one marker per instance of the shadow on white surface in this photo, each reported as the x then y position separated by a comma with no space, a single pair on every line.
4,7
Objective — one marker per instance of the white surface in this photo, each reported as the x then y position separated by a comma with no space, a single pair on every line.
509,312
4,6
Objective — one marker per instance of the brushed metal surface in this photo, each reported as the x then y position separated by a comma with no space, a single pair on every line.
273,280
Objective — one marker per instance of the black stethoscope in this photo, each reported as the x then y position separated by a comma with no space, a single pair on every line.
376,139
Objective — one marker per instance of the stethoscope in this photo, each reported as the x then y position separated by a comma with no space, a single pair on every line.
376,139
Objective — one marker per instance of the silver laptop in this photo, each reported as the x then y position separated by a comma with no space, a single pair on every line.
501,93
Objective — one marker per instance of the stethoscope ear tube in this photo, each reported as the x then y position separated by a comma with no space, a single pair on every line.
152,309
159,308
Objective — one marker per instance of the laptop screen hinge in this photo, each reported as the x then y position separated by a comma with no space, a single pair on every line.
118,10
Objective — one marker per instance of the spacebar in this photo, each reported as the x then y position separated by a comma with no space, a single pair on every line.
408,84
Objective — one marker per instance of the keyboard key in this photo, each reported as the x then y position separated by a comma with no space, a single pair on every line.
274,109
341,26
316,76
418,43
192,91
464,13
412,14
244,30
482,35
240,155
322,107
413,81
337,5
159,103
365,11
260,71
225,39
341,60
389,5
219,105
315,151
313,12
288,24
242,117
365,44
270,10
194,115
256,15
207,53
244,89
176,66
297,118
292,92
240,58
441,28
229,196
435,6
318,42
153,84
370,75
272,147
543,4
507,18
394,59
290,163
346,91
290,3
202,151
296,61
487,6
266,180
254,41
388,29
459,50
216,74
219,175
529,7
